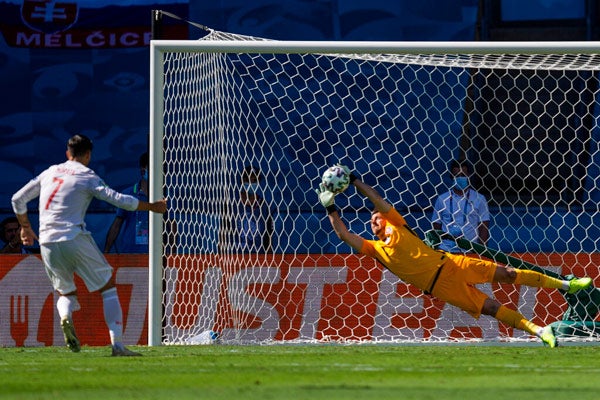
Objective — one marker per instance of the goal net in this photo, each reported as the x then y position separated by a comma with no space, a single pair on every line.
229,111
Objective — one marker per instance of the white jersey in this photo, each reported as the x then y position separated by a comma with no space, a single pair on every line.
65,192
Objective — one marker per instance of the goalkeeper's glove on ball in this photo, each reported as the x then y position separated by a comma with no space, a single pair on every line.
345,168
347,171
325,196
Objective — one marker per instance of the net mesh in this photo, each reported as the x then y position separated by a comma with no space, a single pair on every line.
272,270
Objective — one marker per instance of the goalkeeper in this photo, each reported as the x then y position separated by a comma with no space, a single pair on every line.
449,277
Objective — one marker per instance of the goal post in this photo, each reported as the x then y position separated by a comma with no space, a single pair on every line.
524,114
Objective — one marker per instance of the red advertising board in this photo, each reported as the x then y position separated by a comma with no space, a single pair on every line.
272,297
28,313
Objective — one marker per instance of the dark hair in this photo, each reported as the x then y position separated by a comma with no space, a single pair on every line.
6,221
460,164
78,145
249,171
144,160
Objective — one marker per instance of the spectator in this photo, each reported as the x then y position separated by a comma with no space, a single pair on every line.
130,230
247,224
10,233
461,211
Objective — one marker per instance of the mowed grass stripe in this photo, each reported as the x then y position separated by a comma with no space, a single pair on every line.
329,371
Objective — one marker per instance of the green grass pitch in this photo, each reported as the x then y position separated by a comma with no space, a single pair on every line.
330,371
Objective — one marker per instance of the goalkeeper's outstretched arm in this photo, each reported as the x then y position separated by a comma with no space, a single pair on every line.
379,203
327,200
341,230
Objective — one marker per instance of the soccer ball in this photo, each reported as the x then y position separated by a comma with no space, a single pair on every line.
335,179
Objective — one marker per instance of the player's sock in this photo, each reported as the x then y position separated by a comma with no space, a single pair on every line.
66,305
113,315
536,279
517,320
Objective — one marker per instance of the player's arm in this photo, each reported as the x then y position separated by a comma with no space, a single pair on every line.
19,202
483,231
339,227
127,202
113,233
341,230
159,206
28,236
379,202
368,191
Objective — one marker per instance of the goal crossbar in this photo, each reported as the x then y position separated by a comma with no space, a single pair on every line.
375,47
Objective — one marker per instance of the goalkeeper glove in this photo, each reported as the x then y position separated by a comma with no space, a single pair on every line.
325,196
345,168
347,171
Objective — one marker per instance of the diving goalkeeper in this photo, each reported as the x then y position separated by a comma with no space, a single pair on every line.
449,277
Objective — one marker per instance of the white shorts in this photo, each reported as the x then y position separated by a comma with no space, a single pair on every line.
81,256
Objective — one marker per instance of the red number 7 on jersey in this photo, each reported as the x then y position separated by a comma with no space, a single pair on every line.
60,182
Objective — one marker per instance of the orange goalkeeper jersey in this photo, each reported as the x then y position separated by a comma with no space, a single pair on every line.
404,253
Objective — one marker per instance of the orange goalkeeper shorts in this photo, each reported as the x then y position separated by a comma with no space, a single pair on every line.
457,280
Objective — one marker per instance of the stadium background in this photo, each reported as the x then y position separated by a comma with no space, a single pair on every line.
82,66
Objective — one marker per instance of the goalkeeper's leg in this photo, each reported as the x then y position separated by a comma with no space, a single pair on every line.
516,320
536,279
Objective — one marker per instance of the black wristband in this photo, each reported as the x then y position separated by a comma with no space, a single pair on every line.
331,208
353,177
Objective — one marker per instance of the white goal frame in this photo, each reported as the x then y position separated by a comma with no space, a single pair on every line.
159,47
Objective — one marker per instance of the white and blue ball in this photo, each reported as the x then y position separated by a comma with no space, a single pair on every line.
335,179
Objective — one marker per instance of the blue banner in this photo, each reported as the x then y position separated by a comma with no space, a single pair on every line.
71,67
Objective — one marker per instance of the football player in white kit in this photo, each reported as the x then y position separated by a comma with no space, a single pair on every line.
65,192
